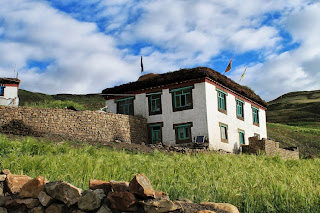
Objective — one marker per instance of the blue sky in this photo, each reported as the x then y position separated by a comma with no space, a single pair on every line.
81,47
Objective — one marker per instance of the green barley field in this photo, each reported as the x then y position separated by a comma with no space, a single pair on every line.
252,183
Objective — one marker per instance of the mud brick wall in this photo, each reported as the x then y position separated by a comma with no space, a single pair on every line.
78,125
271,148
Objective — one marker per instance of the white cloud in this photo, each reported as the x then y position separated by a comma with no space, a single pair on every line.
169,34
84,60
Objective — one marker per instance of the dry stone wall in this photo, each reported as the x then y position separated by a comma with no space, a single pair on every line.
270,147
79,125
22,194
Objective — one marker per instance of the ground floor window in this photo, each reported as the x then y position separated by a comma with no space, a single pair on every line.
155,133
183,132
241,137
224,132
257,135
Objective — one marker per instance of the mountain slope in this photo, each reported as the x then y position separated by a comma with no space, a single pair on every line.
89,101
295,107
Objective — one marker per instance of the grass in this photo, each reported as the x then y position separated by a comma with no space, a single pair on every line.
305,135
295,107
55,104
90,101
252,183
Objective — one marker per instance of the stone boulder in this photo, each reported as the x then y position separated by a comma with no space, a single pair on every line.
45,199
64,192
159,206
122,201
100,184
205,211
141,186
3,210
119,186
227,207
37,210
91,199
14,183
28,202
2,178
104,209
57,208
33,187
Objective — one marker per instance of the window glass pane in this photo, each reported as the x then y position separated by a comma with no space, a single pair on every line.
241,135
180,133
178,103
223,132
187,133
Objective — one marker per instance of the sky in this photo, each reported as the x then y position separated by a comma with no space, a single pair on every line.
81,47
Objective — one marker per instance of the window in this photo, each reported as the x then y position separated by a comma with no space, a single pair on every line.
183,132
125,106
155,133
2,90
182,98
154,103
224,132
241,137
256,135
222,102
255,115
240,113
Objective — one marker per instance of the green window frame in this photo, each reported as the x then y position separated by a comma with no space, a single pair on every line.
240,112
154,103
155,133
182,98
2,90
242,137
255,115
222,101
224,132
183,132
125,106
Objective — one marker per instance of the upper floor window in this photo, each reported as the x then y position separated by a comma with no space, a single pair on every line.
2,90
241,137
222,102
182,98
240,113
255,115
154,103
183,132
125,106
224,132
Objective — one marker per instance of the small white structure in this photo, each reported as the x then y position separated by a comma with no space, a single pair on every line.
9,91
181,105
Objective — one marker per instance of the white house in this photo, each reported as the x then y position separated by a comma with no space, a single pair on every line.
194,102
9,91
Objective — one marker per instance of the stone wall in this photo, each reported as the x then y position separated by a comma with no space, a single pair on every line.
22,194
270,147
78,125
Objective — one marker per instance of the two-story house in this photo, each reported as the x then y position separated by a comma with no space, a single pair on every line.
194,102
9,88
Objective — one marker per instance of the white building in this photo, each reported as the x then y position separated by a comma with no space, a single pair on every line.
187,103
9,91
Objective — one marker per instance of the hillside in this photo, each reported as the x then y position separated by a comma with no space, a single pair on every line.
89,101
295,107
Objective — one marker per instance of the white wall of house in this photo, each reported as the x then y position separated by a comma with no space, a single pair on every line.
10,97
234,124
204,115
197,115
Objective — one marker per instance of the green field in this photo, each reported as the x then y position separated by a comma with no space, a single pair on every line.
252,183
305,135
